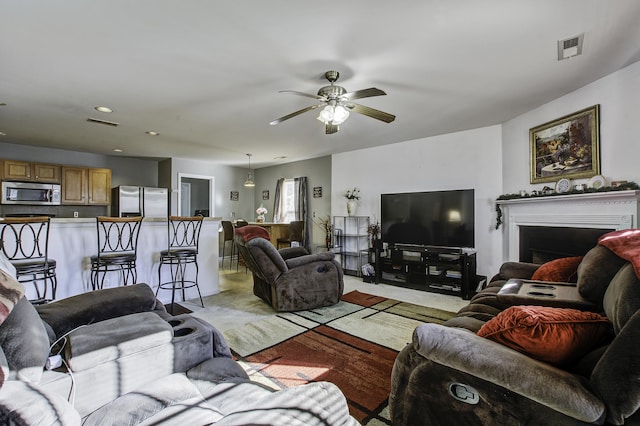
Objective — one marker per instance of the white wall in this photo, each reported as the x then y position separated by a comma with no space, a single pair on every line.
463,160
619,99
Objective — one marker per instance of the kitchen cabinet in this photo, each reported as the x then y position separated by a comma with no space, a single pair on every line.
86,186
30,172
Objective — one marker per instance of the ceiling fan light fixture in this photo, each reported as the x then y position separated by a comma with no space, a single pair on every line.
340,115
326,114
249,183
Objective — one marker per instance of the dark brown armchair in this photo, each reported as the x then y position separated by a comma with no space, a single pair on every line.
290,279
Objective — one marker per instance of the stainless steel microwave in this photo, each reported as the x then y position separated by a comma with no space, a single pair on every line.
30,193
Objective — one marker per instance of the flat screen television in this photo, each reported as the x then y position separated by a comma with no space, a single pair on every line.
434,218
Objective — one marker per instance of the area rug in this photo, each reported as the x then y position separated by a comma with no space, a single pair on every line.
352,344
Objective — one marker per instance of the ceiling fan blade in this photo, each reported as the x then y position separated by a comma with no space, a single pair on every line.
331,129
364,93
308,95
371,112
293,114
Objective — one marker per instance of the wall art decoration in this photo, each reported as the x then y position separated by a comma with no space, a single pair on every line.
317,192
235,195
568,147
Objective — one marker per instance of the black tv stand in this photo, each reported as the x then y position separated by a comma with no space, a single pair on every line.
439,269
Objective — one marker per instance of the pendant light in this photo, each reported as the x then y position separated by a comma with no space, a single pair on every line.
249,183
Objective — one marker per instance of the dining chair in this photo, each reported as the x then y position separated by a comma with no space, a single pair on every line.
296,233
239,224
227,230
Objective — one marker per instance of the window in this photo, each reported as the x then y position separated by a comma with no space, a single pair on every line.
288,201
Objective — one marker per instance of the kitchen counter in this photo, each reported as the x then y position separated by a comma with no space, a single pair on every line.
72,242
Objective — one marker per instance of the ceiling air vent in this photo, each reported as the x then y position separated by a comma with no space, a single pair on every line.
105,122
570,47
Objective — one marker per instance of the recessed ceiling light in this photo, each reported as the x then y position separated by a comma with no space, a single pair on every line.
103,109
280,158
3,134
3,104
152,133
117,150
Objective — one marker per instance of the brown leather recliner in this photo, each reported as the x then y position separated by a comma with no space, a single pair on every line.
448,373
289,279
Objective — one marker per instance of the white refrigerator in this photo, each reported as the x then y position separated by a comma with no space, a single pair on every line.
139,201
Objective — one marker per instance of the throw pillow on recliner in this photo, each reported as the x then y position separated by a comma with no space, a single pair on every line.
553,335
24,341
11,291
563,270
596,271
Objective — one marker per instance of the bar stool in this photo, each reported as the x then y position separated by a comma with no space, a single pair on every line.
296,233
117,249
25,242
239,224
183,239
227,229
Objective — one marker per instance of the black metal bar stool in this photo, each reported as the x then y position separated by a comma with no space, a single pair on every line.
25,242
117,249
183,239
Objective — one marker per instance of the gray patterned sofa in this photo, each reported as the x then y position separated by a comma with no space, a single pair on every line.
115,357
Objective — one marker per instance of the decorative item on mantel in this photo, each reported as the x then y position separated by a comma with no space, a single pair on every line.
261,211
620,186
373,230
352,195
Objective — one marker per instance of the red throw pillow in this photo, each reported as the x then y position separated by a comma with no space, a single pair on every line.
553,335
563,270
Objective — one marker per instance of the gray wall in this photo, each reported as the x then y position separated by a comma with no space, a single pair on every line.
124,170
318,173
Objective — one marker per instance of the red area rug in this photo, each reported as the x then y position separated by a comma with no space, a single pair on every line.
330,351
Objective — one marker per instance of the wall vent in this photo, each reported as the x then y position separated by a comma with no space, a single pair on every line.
105,122
570,47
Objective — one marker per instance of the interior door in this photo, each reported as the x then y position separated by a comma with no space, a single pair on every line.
185,204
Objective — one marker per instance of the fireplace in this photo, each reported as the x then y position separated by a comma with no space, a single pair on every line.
540,244
568,225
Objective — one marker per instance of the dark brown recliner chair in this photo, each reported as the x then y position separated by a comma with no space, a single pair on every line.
289,279
450,374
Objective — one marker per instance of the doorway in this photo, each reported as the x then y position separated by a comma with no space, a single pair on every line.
198,197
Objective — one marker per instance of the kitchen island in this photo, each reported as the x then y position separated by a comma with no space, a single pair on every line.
72,242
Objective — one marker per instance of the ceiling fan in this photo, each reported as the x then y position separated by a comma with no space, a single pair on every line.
336,103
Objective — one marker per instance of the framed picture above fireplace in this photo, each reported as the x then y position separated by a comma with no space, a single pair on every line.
568,147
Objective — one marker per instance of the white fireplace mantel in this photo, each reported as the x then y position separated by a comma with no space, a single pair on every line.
602,210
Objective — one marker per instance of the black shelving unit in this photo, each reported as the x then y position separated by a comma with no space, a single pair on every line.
447,270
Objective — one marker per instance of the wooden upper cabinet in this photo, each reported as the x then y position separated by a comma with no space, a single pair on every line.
30,172
99,186
86,186
74,185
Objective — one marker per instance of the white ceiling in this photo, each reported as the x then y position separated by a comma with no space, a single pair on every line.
206,74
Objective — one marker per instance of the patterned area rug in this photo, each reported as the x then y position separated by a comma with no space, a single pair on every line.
352,344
